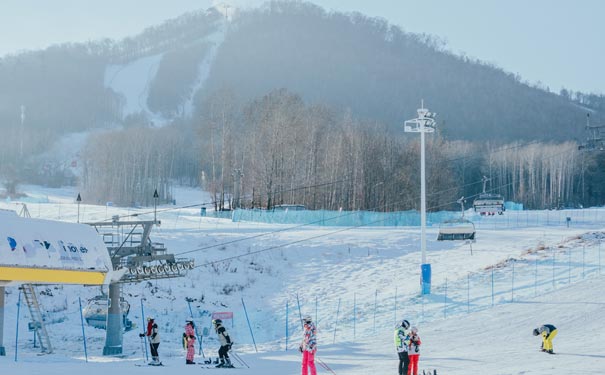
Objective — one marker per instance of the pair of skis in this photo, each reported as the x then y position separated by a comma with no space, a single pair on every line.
234,355
149,364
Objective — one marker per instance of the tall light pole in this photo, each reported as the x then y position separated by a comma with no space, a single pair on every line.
21,132
424,123
226,7
79,200
155,205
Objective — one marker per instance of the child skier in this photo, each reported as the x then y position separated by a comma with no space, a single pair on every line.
189,341
226,344
402,342
308,346
414,353
548,332
154,341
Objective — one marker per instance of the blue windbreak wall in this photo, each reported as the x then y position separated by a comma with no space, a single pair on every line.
342,218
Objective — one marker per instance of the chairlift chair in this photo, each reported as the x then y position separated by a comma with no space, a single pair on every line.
459,229
456,230
95,312
489,203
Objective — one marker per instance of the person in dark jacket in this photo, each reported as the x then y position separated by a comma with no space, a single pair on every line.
226,343
548,332
154,341
402,344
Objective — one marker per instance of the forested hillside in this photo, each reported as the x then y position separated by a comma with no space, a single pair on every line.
380,72
299,106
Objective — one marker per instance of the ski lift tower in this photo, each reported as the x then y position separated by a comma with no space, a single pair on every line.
596,137
139,259
424,123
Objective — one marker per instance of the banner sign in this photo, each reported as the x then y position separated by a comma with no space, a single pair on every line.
222,315
51,251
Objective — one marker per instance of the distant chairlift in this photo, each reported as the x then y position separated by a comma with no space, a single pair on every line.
489,203
457,229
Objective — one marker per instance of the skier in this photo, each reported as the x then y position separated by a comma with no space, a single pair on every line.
414,353
189,341
402,342
154,341
226,343
548,332
308,346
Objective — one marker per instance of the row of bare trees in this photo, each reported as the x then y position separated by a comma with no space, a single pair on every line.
279,150
293,153
126,167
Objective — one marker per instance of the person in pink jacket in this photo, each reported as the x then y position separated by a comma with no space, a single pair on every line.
308,346
189,341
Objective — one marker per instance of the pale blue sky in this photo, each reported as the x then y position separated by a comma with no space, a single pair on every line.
557,42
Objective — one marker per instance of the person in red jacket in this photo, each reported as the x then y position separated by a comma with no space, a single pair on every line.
414,353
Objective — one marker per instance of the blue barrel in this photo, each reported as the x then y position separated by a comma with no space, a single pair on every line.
425,278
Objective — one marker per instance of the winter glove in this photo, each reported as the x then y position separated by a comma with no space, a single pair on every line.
300,349
141,335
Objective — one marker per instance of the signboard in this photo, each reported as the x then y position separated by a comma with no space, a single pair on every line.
222,315
44,251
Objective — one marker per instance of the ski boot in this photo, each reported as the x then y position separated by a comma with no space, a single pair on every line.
189,362
220,365
155,361
228,363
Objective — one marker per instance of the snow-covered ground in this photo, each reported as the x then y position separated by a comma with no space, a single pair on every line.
358,282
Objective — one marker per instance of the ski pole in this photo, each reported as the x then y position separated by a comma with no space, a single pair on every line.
143,349
324,365
237,359
240,359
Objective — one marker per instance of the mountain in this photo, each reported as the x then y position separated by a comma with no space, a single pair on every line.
346,61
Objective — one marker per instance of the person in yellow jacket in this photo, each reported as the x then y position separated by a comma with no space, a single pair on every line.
548,332
402,344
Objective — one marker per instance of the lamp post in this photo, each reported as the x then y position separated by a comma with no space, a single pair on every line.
79,199
21,131
424,123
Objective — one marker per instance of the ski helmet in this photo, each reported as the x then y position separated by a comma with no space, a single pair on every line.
150,318
405,324
536,332
307,319
189,320
217,321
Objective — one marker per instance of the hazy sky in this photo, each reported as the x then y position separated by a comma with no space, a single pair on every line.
558,42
